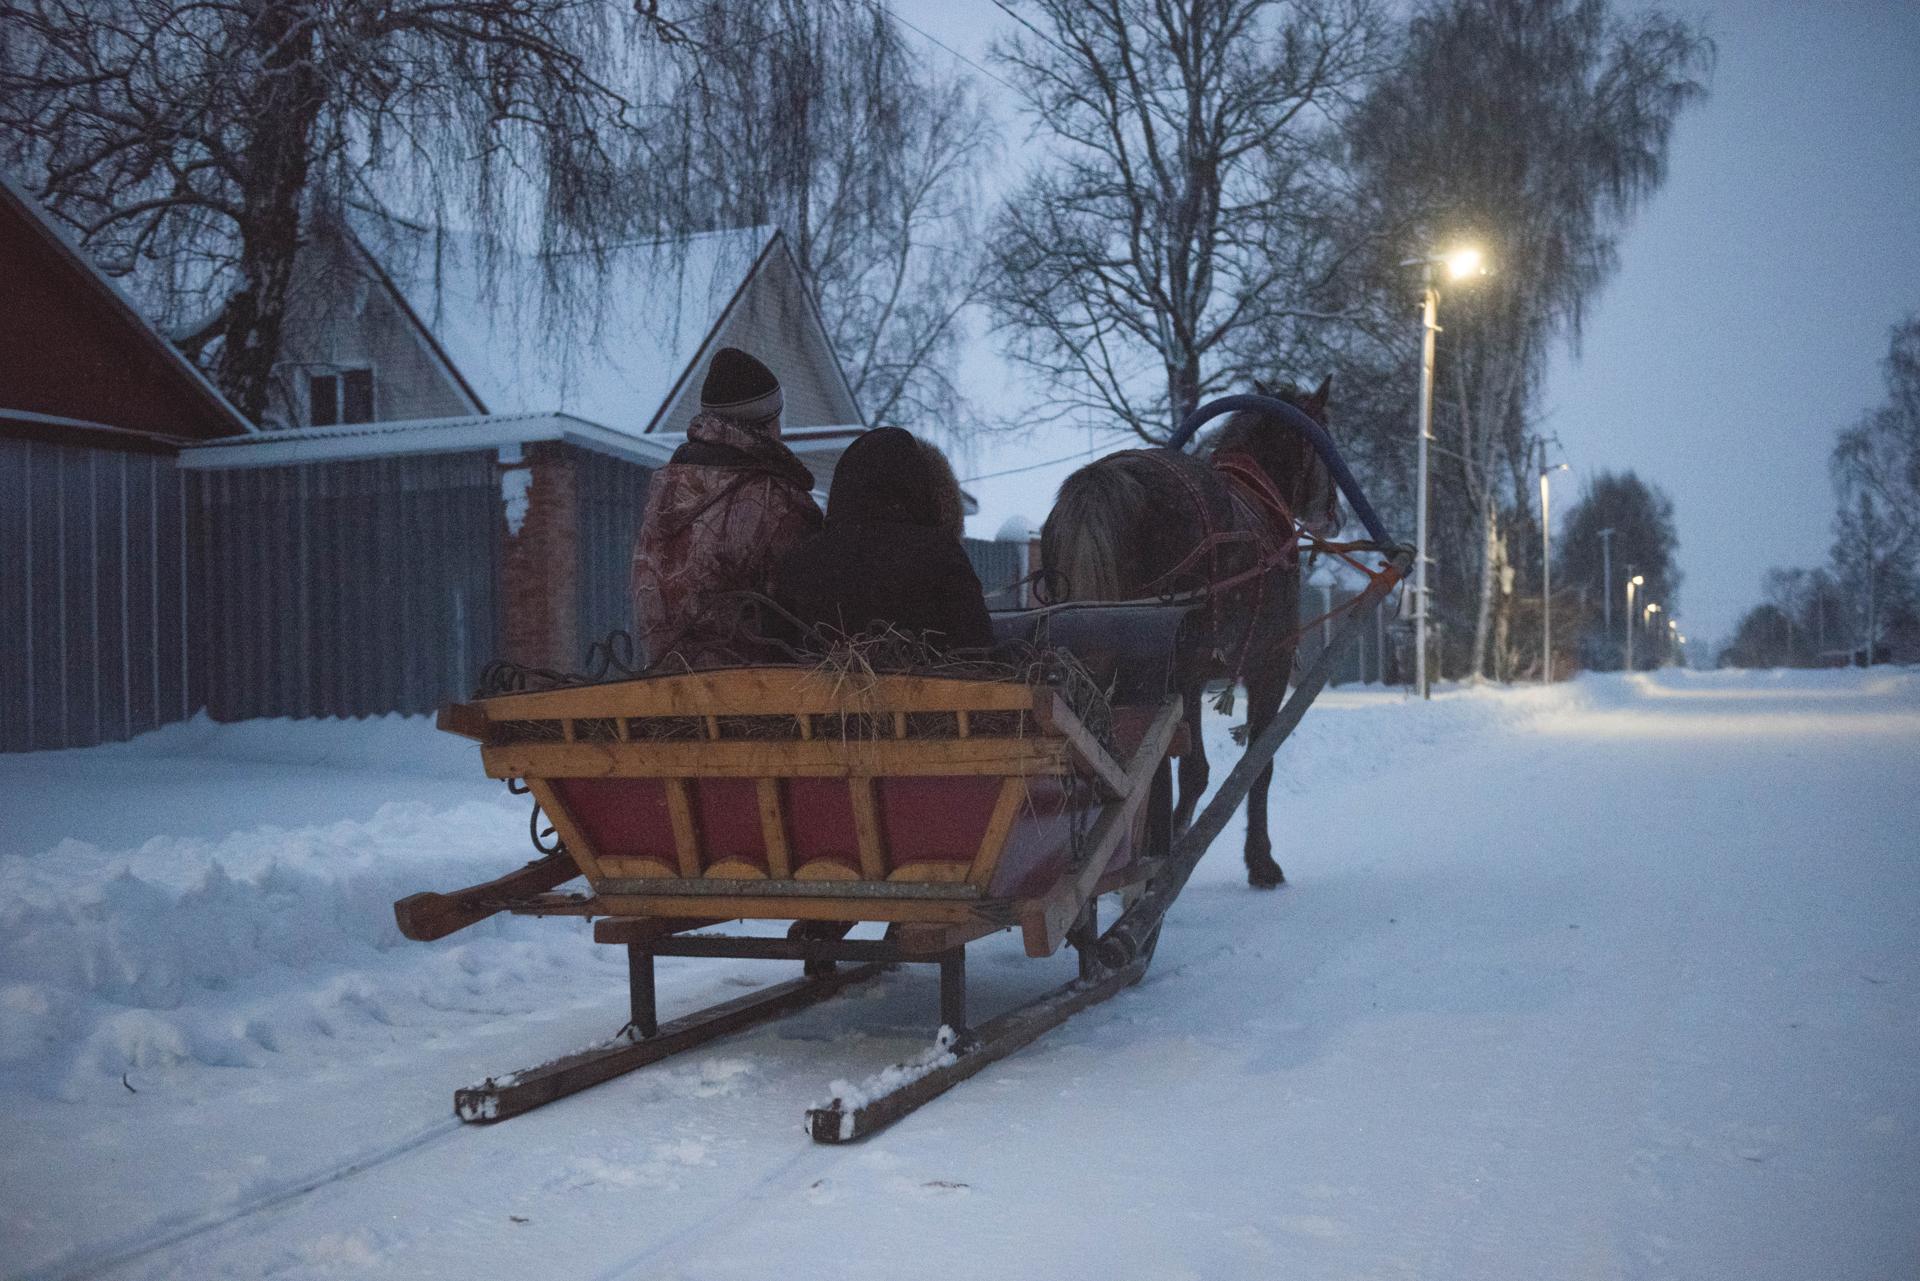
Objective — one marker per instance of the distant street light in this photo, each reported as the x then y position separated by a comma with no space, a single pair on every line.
1636,581
1606,581
1546,576
1461,264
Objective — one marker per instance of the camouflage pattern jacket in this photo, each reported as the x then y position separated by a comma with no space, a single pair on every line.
719,517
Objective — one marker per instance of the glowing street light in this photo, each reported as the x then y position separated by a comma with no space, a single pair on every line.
1461,264
1638,580
1464,262
1546,572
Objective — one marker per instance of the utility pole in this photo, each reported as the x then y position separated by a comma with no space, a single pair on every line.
1633,581
1546,569
1606,580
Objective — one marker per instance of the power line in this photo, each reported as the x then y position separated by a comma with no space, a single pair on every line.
890,14
1051,462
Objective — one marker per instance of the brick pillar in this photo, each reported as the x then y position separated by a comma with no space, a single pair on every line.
540,571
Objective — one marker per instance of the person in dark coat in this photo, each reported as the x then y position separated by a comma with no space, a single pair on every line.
719,516
890,554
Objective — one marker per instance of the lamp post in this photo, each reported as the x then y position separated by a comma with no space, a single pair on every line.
1546,575
1673,639
1606,582
1460,264
1636,581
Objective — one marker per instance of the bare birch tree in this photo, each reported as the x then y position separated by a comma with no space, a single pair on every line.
193,143
815,116
1169,234
1876,476
1534,128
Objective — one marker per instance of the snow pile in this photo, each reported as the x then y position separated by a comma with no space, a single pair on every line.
226,950
391,744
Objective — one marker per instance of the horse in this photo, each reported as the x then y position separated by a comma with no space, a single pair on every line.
1146,523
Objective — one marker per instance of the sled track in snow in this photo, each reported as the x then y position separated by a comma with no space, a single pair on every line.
173,1230
811,1160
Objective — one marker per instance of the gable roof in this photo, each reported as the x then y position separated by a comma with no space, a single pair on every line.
658,307
83,361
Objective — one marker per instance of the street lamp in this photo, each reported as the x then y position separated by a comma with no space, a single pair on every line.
1546,576
1460,264
1606,581
1637,580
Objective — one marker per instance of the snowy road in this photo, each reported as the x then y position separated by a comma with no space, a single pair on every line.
1613,980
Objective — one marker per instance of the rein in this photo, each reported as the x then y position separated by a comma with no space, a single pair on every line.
1278,543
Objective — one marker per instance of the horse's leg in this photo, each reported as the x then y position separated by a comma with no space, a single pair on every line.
1264,692
1193,766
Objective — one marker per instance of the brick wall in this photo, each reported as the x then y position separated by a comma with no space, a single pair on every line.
540,567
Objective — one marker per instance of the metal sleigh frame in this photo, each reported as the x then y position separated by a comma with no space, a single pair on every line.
1108,962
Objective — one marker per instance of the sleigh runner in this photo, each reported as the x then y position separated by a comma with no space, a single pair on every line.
948,808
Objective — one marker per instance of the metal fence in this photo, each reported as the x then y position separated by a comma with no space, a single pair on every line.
1367,658
611,495
141,592
348,588
1000,566
97,595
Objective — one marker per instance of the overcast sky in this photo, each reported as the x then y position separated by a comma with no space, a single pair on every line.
1750,313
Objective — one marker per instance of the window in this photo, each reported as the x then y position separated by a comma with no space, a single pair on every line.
343,397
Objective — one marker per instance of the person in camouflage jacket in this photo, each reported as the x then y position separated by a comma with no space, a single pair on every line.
732,501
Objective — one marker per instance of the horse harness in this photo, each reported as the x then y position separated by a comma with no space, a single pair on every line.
1268,526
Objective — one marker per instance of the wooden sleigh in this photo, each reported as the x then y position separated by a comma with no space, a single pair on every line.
947,808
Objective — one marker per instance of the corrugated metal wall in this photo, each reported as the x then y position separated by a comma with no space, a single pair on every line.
610,495
999,565
96,595
349,588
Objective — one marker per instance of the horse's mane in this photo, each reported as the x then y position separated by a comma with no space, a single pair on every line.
1246,428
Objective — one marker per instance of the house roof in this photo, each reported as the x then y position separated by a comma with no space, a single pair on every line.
819,447
423,436
83,360
487,309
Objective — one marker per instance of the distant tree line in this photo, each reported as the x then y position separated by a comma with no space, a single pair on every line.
1620,529
1863,605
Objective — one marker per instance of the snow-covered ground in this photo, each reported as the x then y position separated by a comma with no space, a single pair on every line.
1617,979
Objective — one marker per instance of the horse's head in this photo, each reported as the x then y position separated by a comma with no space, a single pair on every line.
1286,455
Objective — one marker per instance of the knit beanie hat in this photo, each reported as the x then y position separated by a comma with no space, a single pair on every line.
740,387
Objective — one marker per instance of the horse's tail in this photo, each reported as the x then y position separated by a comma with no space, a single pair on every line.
1081,540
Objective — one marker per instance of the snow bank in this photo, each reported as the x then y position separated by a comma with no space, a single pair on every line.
385,744
223,950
